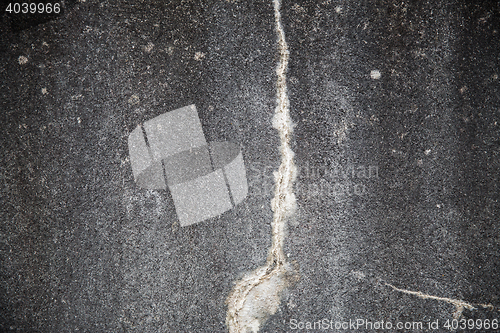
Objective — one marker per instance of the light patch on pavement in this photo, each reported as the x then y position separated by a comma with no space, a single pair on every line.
199,55
22,60
149,47
375,74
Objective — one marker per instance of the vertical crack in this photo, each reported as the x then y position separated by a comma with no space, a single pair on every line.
257,295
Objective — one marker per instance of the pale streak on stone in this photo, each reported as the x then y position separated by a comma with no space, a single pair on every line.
257,295
459,304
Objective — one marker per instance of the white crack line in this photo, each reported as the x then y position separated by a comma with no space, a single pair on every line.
257,295
459,304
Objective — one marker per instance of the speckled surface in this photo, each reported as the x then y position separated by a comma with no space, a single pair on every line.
397,138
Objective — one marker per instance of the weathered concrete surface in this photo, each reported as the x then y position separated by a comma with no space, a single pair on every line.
405,94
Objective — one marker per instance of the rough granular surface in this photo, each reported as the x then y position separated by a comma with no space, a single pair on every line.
391,163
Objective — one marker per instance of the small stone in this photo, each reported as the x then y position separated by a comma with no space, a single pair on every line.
22,60
148,48
375,74
134,99
199,55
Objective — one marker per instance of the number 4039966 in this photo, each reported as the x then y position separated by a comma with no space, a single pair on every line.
33,8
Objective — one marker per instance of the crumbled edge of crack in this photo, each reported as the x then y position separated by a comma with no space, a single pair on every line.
258,295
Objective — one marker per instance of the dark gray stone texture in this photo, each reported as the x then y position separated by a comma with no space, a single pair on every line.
398,182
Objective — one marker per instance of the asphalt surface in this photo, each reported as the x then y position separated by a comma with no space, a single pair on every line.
397,138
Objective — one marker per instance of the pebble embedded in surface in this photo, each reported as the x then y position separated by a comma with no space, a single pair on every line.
375,74
22,60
